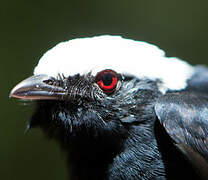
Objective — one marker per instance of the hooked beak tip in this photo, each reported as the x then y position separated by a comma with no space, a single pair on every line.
14,92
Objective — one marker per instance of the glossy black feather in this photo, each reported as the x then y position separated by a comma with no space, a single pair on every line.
199,81
184,115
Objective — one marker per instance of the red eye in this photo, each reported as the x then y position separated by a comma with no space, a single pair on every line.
107,80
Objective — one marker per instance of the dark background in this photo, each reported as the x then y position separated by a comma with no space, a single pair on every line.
29,28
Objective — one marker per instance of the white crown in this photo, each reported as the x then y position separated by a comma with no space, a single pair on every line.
126,56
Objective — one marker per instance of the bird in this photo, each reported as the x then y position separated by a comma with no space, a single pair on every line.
121,109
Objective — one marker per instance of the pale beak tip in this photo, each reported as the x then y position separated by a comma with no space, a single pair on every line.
10,95
12,92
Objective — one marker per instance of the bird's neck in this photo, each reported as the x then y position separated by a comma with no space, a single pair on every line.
108,158
90,158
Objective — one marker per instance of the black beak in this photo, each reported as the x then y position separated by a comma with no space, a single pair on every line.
38,88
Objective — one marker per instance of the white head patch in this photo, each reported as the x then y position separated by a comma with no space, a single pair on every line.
114,52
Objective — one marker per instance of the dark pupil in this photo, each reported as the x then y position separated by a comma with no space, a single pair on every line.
107,79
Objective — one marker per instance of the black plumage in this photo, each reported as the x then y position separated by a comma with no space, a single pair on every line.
129,130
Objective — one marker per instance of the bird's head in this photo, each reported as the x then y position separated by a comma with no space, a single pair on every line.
100,85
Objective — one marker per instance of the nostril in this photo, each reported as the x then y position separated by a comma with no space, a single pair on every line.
55,82
49,82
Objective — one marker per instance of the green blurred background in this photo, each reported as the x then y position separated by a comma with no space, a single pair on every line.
29,28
